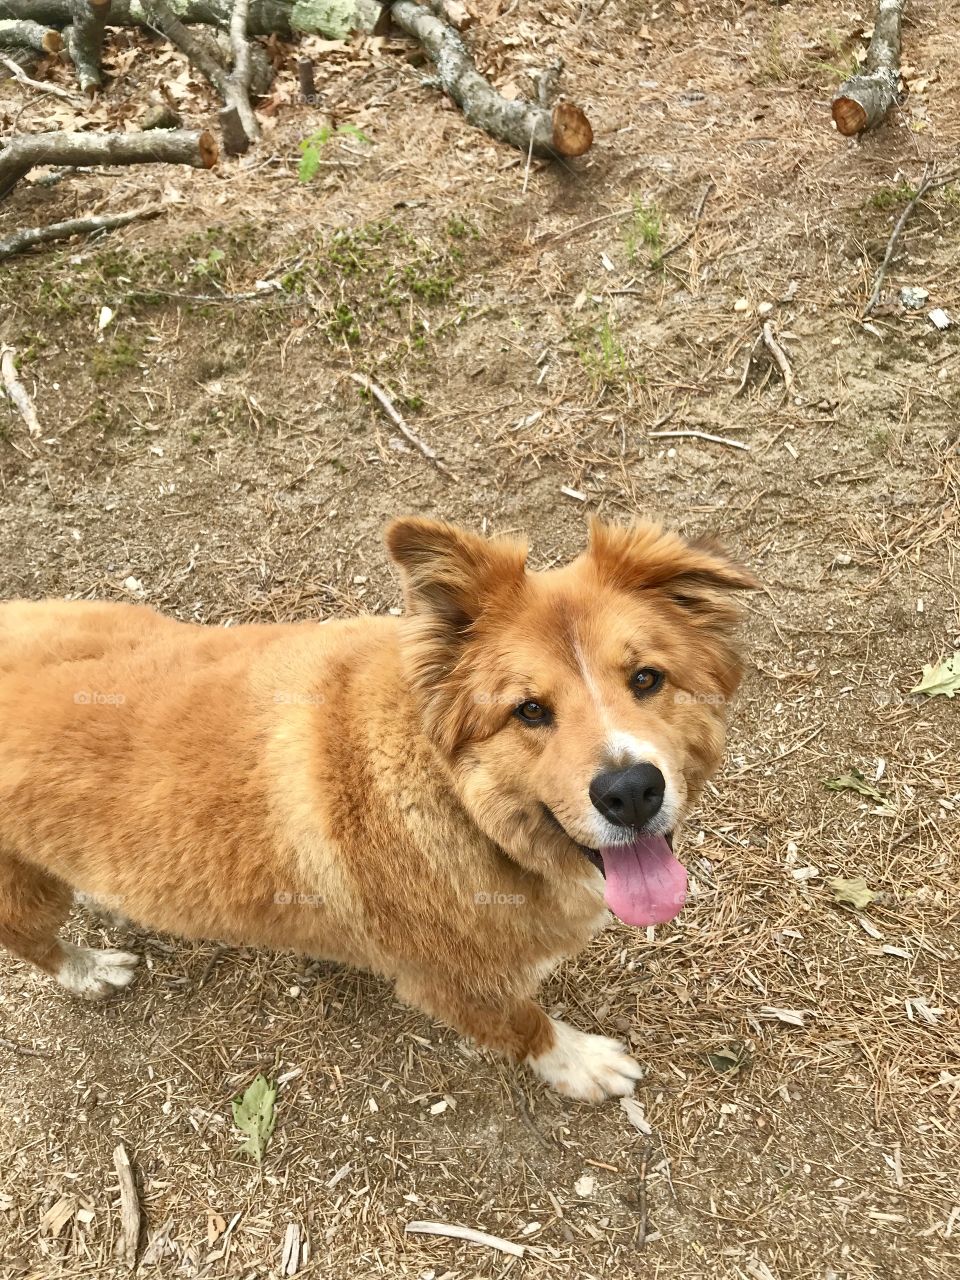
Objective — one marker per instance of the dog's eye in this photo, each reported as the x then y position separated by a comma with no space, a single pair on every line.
646,680
533,713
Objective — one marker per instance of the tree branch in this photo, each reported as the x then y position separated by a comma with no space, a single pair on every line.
564,131
20,241
86,42
164,146
30,35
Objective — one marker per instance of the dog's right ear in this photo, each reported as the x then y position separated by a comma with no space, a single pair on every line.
447,573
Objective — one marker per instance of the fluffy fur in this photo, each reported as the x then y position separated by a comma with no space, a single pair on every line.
363,790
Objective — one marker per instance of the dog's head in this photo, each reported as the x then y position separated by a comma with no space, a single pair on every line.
581,709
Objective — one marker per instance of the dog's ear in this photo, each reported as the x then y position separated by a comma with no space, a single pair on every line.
696,575
447,573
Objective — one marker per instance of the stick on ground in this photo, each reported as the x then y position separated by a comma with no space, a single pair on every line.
388,407
564,131
25,239
697,435
129,1207
778,353
465,1233
40,85
16,390
156,146
864,100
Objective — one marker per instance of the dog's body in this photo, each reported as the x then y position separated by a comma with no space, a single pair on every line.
380,792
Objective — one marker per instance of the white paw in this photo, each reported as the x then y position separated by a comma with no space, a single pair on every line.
587,1067
95,974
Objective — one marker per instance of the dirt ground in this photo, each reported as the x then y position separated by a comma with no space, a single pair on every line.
208,453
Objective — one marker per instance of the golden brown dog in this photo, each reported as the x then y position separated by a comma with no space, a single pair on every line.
451,799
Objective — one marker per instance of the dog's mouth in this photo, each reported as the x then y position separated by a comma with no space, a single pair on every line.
645,883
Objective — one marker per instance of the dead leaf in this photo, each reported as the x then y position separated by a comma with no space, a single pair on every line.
852,893
943,678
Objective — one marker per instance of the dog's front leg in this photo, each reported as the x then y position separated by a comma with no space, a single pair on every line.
574,1063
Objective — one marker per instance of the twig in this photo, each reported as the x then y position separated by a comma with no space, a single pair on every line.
18,72
697,215
129,1206
465,1233
21,1048
697,435
16,390
388,407
778,353
20,241
568,233
746,368
926,182
642,1194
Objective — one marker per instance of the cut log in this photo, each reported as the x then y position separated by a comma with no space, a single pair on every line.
864,100
160,146
30,35
562,131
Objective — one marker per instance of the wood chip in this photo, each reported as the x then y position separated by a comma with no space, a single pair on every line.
129,1207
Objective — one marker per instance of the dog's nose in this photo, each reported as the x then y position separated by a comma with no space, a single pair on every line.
629,797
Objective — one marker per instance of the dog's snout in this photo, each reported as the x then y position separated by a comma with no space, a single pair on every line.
629,797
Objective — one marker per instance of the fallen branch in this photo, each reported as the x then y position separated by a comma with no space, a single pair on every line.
30,35
564,131
86,42
864,100
20,241
267,17
388,407
129,1206
685,240
158,146
778,353
238,83
16,390
465,1233
698,435
40,85
926,182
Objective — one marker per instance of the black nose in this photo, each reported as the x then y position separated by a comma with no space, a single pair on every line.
629,797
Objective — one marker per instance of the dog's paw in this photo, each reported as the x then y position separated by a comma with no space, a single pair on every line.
586,1067
93,974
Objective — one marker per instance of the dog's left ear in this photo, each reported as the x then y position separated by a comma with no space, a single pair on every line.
448,573
697,575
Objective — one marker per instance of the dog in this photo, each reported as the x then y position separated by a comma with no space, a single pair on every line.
452,799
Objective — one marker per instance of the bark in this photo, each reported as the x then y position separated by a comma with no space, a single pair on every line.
238,83
25,239
86,42
308,86
236,140
564,131
266,16
864,100
161,146
30,35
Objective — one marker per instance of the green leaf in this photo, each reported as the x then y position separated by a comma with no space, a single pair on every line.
253,1115
855,781
851,892
309,163
334,19
944,678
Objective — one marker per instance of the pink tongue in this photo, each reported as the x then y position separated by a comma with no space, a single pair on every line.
645,883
